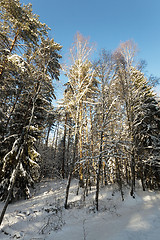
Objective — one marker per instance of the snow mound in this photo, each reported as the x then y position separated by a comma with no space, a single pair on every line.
43,217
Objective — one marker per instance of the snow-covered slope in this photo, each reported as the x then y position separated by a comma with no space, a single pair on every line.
43,217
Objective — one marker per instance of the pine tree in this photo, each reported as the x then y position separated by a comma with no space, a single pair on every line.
19,24
147,131
29,99
141,118
35,100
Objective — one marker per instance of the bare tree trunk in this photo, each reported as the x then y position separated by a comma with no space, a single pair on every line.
64,147
132,176
47,138
71,171
119,177
91,145
68,152
99,173
67,188
127,173
81,180
56,142
142,179
105,175
53,139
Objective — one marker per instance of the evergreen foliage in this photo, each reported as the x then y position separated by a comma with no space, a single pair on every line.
121,141
27,92
106,129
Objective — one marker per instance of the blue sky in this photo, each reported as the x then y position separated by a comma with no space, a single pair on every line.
107,23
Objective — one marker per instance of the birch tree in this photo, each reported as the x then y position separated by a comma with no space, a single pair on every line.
81,86
124,58
104,116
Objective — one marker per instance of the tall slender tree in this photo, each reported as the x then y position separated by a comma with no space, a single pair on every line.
29,99
81,87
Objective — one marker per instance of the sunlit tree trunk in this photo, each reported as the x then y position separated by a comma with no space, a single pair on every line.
81,180
99,172
64,147
72,164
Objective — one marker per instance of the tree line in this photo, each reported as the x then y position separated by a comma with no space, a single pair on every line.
111,117
105,130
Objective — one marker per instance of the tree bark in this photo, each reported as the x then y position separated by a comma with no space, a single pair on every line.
99,173
132,175
64,148
71,172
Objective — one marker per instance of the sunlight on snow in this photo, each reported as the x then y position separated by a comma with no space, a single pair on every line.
138,223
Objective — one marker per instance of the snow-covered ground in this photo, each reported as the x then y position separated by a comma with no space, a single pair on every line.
43,217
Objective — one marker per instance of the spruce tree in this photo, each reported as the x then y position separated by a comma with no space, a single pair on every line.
27,92
146,131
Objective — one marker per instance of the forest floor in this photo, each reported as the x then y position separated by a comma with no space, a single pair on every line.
43,216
